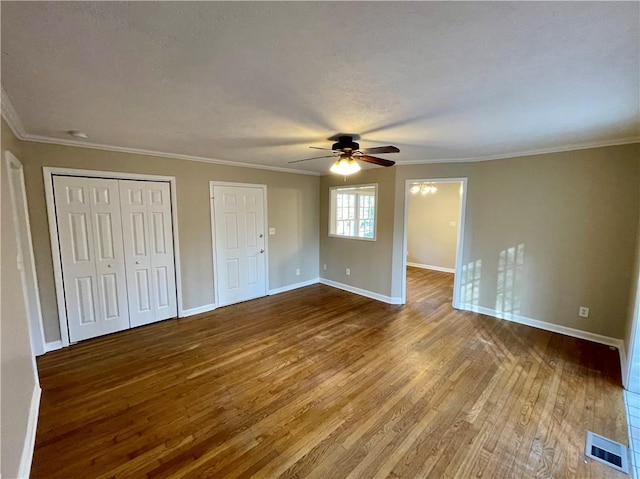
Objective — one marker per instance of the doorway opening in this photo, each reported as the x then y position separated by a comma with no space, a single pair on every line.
433,229
26,261
631,377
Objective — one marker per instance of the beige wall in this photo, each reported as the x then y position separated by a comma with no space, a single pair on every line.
571,217
369,261
431,239
574,216
18,375
292,209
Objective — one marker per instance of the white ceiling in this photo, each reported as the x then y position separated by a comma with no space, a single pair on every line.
259,82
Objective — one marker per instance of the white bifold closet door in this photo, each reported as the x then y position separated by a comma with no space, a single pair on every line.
91,249
148,244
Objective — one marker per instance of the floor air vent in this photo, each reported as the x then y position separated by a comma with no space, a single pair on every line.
608,452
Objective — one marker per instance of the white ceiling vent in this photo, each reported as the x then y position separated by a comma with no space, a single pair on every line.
606,451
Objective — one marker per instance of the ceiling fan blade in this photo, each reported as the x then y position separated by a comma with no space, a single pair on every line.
380,149
318,148
375,160
314,158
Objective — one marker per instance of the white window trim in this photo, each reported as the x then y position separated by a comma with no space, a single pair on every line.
332,212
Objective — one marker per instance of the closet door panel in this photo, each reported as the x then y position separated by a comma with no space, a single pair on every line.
109,255
116,248
135,227
73,211
87,212
162,254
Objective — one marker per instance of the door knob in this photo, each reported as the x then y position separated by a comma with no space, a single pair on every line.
261,235
109,266
137,262
262,250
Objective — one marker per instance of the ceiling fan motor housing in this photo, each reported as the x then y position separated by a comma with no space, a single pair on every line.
346,143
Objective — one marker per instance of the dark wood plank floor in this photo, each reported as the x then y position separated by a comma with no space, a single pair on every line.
320,383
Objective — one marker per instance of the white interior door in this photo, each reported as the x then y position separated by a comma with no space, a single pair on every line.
239,243
148,238
91,250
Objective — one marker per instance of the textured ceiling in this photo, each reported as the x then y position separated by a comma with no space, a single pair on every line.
259,82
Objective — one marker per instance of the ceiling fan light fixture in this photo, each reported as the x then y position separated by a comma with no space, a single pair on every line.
347,149
345,166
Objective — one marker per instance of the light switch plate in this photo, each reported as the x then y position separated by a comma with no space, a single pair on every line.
272,231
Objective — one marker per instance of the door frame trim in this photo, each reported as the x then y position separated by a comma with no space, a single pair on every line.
461,229
627,357
29,278
263,187
48,174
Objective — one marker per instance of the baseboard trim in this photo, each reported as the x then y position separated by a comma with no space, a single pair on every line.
431,267
554,328
291,287
199,310
361,292
52,346
30,435
622,350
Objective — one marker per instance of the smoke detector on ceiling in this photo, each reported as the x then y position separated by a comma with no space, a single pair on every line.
78,134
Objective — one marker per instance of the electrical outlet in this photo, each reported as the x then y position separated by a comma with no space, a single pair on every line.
324,266
298,272
583,312
348,272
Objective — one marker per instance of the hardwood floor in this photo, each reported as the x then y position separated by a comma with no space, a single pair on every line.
320,383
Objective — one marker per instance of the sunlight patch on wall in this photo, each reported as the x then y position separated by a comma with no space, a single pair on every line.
470,284
510,269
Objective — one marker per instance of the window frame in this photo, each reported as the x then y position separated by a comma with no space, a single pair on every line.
333,192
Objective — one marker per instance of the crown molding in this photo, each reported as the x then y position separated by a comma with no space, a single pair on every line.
22,135
12,118
162,154
542,151
17,127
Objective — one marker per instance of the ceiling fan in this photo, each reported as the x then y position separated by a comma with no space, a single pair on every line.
348,151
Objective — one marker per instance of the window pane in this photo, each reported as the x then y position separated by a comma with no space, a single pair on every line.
353,211
366,229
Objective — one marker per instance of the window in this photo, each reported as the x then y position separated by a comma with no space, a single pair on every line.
353,211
